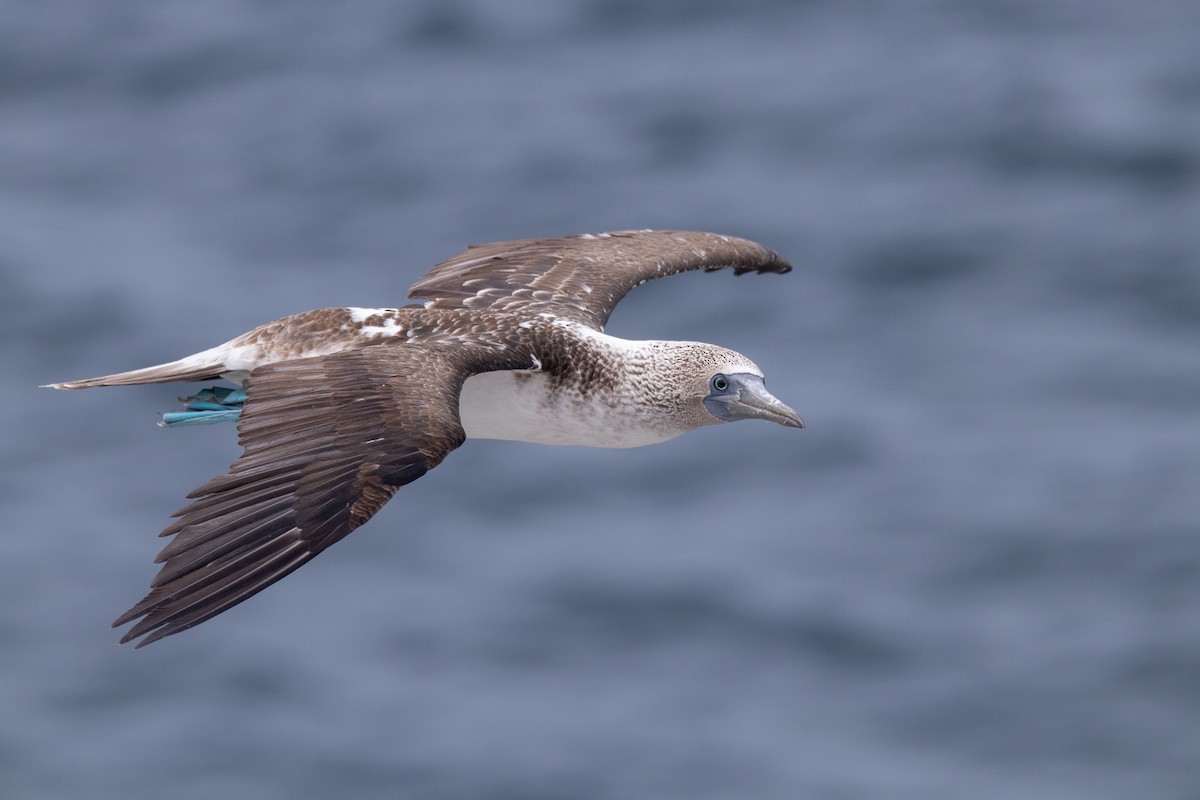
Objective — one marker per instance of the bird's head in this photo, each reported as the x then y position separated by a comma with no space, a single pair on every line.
713,385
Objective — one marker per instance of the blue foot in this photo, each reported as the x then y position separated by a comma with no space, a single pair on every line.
206,407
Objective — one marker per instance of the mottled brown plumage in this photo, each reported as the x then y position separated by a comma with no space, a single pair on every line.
582,277
344,406
327,441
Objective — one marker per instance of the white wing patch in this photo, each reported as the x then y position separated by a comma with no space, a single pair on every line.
359,315
382,321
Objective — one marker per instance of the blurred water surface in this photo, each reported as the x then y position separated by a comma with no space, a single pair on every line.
976,573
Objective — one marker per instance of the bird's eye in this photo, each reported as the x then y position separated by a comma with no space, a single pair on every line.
719,383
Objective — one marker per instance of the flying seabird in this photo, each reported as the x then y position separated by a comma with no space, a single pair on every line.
340,407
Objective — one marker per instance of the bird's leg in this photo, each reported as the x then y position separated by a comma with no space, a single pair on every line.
207,406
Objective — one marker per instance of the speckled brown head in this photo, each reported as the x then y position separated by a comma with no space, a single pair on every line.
697,384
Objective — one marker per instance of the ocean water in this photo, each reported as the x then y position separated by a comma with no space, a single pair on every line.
975,574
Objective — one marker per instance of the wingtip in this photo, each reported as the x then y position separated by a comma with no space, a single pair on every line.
132,614
149,638
140,636
776,263
127,637
124,619
144,630
140,643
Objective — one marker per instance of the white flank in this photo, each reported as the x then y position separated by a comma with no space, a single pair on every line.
519,406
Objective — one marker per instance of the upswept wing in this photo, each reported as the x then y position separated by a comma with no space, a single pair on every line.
582,277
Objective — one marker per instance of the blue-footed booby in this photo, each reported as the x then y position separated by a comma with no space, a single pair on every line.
340,407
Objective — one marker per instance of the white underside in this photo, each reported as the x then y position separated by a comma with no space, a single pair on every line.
518,406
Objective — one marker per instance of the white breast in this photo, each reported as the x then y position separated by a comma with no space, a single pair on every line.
519,406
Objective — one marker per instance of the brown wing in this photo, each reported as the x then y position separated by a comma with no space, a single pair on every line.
582,277
327,442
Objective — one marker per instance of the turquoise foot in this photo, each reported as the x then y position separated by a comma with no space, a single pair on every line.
206,407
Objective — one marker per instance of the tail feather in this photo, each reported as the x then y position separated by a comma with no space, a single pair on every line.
186,369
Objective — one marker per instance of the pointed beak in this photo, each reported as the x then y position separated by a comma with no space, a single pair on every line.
751,401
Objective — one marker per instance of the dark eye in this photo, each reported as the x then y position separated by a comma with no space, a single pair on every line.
719,383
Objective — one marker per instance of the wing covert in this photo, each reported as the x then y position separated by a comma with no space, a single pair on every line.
582,277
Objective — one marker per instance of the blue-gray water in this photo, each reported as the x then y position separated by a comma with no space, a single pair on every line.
976,574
